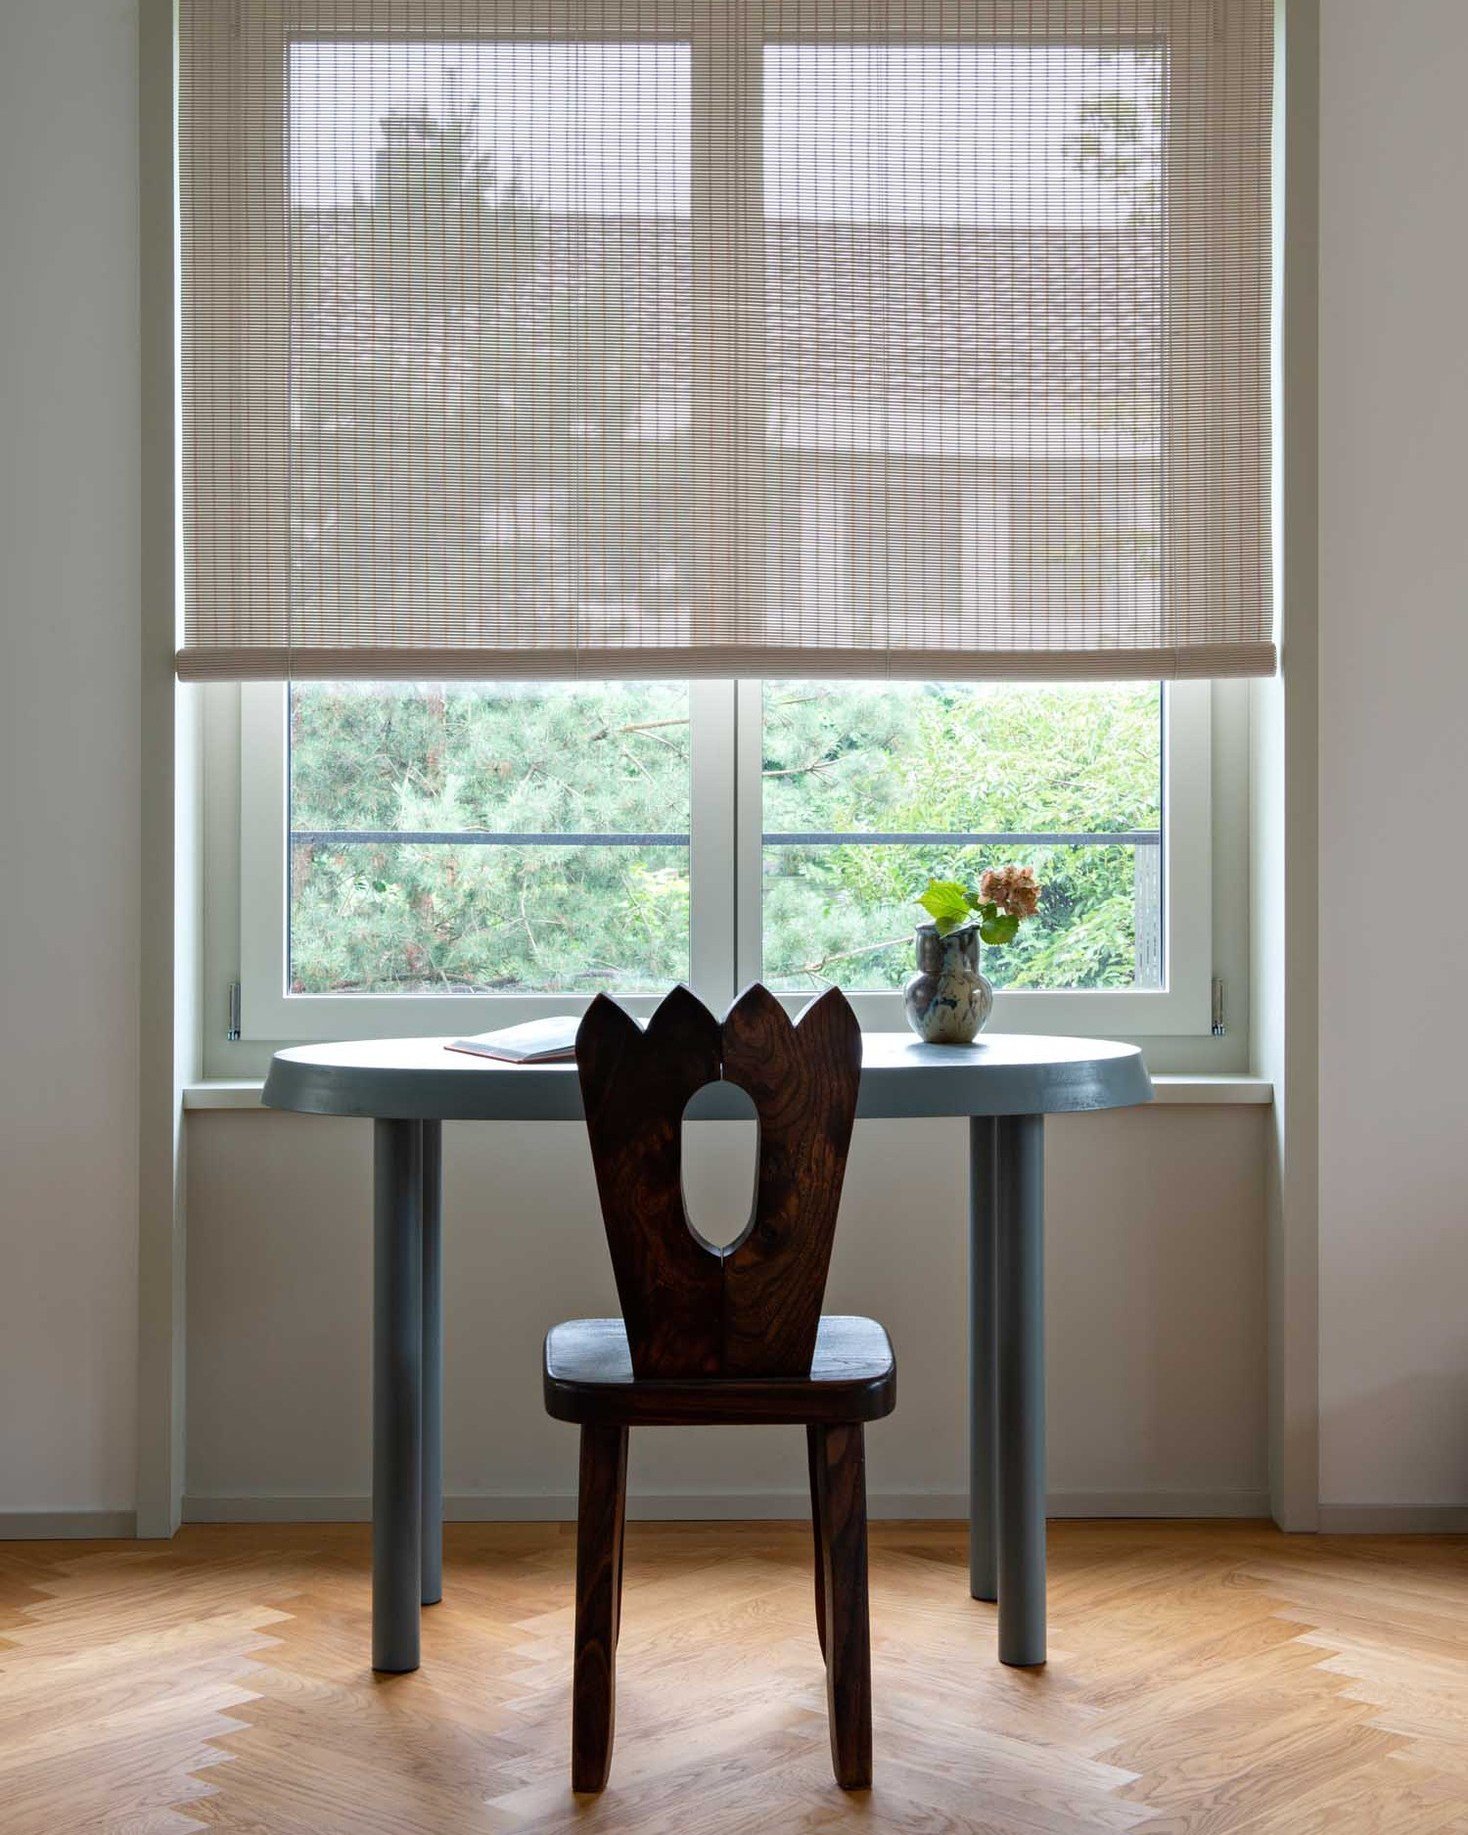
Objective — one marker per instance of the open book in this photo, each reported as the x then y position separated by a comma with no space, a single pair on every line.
538,1041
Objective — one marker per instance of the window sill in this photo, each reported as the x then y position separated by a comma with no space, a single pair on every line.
1197,1092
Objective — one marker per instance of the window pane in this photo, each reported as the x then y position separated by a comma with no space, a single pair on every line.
491,345
943,763
466,904
963,255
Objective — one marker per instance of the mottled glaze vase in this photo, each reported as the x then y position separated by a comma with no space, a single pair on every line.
948,1001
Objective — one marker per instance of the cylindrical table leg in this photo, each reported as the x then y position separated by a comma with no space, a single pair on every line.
983,1360
432,1508
1020,1204
397,1394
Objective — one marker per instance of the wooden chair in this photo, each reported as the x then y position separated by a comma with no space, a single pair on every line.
722,1336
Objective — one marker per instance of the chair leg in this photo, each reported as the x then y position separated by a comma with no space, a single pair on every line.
841,1481
600,1513
818,1535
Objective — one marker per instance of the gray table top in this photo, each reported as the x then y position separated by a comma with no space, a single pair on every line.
999,1074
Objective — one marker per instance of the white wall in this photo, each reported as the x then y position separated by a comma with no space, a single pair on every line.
1153,1325
1394,754
69,612
1156,1313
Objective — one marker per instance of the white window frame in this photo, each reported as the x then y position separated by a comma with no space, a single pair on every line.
726,880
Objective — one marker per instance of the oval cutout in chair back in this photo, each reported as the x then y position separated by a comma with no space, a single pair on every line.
721,1168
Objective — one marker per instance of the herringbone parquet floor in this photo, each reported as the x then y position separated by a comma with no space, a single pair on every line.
1203,1678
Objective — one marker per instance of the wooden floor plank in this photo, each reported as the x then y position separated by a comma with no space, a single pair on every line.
1204,1680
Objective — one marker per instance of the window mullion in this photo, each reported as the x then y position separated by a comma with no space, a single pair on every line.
712,881
727,357
749,823
727,427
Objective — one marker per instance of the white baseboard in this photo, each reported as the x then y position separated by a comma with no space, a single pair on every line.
1394,1519
733,1506
1204,1504
721,1506
67,1525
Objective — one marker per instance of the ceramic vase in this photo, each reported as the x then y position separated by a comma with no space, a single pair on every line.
948,1000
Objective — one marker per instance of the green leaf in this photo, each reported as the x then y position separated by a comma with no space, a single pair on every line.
999,929
946,902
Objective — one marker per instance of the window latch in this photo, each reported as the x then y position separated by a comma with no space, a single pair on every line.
232,1032
1219,1029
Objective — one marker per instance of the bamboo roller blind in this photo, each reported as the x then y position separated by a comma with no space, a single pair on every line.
925,338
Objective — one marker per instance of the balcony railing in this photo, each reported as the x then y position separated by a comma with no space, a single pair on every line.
1146,841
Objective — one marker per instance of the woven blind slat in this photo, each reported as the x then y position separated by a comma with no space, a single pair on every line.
922,338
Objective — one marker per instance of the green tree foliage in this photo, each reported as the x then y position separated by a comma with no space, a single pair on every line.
934,759
1118,132
384,916
614,759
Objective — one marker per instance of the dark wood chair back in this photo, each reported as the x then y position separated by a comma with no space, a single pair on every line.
692,1309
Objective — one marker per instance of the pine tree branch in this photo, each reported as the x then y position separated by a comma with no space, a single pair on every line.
849,955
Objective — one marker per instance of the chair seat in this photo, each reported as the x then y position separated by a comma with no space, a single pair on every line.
588,1378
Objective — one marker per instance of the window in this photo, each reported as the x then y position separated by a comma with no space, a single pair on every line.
578,339
515,346
477,842
865,791
770,339
417,858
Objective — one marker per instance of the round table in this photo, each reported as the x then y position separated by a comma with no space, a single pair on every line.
1005,1084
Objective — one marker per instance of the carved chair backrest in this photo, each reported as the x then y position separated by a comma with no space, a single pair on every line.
752,1308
